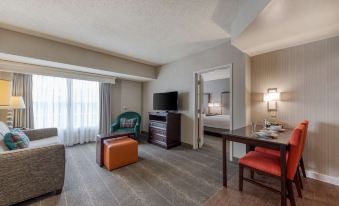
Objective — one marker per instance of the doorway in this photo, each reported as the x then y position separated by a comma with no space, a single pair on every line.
213,103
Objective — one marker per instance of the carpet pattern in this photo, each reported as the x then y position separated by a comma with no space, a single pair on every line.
180,176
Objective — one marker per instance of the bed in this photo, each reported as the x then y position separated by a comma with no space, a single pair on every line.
221,121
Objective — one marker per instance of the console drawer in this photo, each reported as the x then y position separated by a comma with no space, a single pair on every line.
158,138
158,131
159,125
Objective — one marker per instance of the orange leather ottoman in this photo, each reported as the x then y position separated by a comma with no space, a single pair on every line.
120,152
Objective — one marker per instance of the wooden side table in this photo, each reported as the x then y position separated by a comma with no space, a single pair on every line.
100,144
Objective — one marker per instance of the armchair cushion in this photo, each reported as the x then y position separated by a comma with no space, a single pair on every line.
16,139
116,126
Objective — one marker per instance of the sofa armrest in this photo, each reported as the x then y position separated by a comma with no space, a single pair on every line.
31,172
36,134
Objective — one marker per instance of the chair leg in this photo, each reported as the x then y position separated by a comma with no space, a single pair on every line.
252,174
290,192
301,163
58,192
241,177
300,180
297,185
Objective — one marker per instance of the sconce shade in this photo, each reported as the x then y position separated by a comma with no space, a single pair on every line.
271,96
17,102
5,92
210,104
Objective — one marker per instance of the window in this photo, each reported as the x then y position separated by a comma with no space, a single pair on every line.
70,105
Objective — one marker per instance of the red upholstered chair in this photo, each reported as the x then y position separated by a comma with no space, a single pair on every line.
270,164
301,163
277,153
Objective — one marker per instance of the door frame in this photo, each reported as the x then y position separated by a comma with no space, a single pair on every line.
196,106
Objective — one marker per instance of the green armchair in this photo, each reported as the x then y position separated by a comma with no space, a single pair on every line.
128,115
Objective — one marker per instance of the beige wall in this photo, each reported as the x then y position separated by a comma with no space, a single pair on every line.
131,96
308,76
60,54
127,96
178,76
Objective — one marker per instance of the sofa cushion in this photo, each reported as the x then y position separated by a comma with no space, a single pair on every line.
16,139
44,142
3,131
3,147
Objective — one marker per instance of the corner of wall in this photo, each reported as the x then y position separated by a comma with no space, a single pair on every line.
248,88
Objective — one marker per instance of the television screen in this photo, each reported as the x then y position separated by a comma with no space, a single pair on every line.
165,101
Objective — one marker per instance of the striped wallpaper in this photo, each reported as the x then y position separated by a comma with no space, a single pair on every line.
308,77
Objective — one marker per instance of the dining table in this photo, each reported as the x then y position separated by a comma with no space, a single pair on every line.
247,136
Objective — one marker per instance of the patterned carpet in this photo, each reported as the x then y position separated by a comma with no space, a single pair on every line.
180,176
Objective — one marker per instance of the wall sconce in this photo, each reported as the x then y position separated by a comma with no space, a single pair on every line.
210,104
271,97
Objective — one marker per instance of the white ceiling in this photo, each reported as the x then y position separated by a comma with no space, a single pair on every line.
151,31
286,23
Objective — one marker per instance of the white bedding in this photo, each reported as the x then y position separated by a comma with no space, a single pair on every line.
217,121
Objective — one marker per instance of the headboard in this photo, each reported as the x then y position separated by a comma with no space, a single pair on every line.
225,102
207,99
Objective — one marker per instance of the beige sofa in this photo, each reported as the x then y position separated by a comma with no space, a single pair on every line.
33,171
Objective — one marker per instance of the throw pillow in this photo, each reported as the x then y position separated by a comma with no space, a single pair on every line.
127,123
16,139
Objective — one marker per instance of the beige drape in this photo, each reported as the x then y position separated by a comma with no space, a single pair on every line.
22,86
106,107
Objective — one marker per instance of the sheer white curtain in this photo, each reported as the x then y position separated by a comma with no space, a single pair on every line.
70,105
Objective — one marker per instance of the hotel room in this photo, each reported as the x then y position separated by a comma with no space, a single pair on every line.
220,102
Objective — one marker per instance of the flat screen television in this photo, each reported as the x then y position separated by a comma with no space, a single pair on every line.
165,101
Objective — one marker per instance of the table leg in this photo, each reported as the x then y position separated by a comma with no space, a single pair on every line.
283,174
99,152
224,162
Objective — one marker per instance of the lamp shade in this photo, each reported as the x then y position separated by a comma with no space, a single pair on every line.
271,96
5,92
17,102
216,104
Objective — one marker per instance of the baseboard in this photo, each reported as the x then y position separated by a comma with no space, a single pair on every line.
322,177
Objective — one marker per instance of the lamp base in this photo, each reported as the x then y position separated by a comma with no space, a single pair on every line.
9,118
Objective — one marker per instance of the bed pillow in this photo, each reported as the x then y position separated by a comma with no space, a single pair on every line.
16,139
127,123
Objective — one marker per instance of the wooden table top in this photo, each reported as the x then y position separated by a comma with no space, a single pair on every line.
246,133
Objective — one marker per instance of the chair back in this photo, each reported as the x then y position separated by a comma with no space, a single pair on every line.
305,122
130,115
294,155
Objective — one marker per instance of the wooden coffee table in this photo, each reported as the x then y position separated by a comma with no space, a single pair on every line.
100,143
